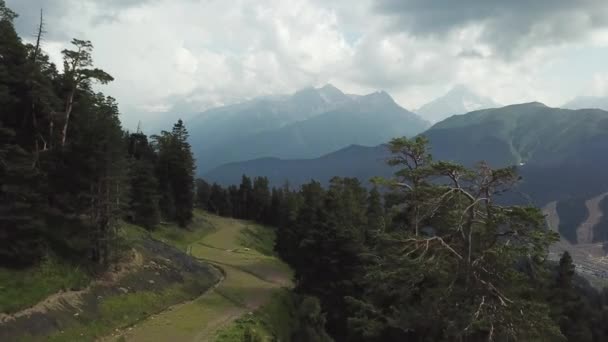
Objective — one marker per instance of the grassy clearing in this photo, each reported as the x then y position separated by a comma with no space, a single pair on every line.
182,238
273,322
124,310
253,279
20,289
154,284
259,238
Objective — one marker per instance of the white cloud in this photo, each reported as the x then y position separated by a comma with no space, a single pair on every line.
188,55
599,85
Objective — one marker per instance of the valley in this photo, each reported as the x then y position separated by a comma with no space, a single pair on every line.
590,258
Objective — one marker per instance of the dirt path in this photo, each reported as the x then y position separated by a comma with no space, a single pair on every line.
250,279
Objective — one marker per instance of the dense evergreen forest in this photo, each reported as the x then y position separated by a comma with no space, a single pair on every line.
68,171
426,256
429,255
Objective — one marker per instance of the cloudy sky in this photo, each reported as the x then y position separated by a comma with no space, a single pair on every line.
187,55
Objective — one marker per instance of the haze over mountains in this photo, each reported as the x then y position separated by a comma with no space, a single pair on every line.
319,133
459,100
307,124
582,102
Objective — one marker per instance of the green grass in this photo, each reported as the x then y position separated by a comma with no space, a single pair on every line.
244,251
131,232
124,310
273,322
259,238
127,309
183,237
20,289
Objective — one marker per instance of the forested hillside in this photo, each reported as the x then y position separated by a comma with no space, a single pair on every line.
556,151
68,172
425,261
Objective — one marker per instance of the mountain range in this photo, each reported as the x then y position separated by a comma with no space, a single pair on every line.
458,100
559,153
308,124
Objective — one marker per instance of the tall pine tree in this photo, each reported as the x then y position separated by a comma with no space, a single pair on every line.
175,171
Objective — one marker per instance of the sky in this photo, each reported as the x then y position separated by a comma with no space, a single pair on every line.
184,56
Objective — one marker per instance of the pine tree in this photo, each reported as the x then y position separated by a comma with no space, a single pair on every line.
375,217
203,193
235,201
78,72
245,200
97,152
273,216
21,215
219,201
569,308
330,251
455,254
21,205
308,215
14,94
175,172
565,272
143,198
260,200
183,176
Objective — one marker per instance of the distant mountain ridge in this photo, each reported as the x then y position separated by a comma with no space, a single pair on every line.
560,154
459,100
307,124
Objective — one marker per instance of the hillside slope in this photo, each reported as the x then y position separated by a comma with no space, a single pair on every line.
151,277
250,281
559,153
362,162
531,135
368,121
309,123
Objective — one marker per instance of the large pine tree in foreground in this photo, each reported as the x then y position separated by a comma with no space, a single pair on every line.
454,252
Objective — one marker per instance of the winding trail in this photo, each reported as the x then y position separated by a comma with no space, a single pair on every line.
250,279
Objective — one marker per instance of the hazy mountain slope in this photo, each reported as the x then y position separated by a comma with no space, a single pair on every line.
561,155
367,120
353,161
459,100
531,134
309,123
218,125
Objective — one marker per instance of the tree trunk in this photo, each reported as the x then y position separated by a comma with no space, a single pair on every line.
68,111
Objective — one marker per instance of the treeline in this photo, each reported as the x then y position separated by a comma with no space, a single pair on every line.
433,258
68,171
252,200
